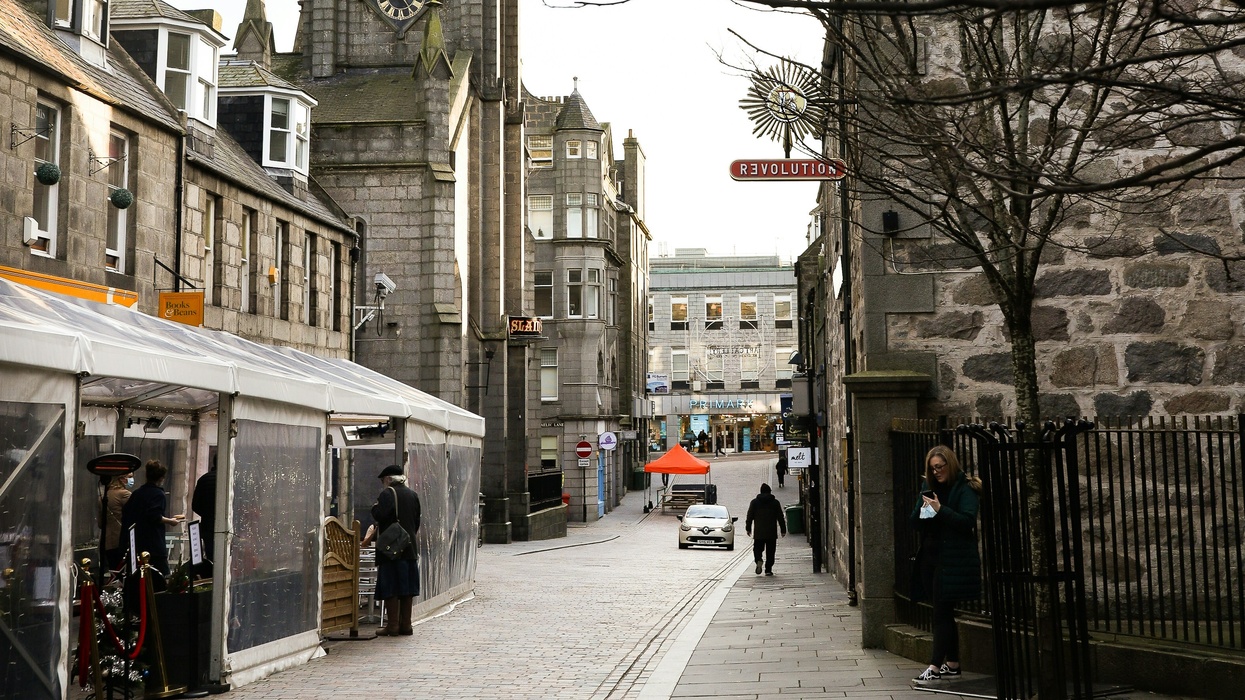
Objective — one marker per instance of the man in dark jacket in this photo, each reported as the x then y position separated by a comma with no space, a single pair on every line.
766,513
145,512
397,579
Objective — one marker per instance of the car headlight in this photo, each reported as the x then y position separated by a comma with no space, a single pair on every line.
685,527
726,527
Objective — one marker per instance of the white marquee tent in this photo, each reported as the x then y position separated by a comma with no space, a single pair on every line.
78,378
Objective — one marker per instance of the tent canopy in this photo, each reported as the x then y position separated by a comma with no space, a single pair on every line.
129,358
677,461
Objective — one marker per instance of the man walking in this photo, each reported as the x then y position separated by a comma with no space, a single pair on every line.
766,513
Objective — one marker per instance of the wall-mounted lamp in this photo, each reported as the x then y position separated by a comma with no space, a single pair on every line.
274,276
890,221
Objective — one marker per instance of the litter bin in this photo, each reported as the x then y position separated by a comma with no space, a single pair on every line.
795,519
711,494
639,480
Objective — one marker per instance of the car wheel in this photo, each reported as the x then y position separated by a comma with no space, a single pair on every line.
683,546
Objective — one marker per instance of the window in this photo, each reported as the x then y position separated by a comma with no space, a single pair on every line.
590,149
64,12
211,290
574,215
782,370
748,312
612,309
782,311
95,20
47,197
678,313
548,374
302,125
279,288
309,291
650,315
548,451
540,215
749,372
592,295
206,64
177,69
590,216
715,373
680,374
544,294
250,264
574,149
575,293
540,151
118,178
279,131
713,313
335,284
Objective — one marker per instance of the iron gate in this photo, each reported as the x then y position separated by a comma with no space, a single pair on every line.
1037,598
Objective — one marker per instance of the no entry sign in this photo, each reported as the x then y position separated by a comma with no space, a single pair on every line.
789,169
583,449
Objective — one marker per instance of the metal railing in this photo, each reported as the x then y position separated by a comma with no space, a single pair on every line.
1162,507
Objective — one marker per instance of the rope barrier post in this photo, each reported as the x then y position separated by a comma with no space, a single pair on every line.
88,647
165,691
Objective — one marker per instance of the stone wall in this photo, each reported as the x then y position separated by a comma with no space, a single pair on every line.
1125,326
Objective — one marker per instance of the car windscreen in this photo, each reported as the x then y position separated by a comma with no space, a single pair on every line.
706,512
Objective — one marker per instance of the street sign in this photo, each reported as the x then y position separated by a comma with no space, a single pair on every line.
607,440
630,435
585,463
583,449
789,169
799,458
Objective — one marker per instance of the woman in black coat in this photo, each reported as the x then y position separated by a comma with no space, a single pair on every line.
948,564
397,579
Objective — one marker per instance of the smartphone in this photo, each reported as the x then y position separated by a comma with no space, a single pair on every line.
927,494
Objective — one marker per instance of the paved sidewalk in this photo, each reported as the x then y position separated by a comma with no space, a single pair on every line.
789,636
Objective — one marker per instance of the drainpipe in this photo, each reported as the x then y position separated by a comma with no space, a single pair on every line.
849,361
178,196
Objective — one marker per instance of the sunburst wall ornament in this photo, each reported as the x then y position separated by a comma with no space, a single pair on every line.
785,103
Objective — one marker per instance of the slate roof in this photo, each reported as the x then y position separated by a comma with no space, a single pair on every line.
231,162
576,115
388,95
124,86
244,74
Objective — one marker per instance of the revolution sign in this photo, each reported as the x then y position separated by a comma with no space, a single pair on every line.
788,169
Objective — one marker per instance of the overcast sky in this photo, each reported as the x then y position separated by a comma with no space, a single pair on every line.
652,67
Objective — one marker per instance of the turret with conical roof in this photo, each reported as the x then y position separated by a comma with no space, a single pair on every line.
575,113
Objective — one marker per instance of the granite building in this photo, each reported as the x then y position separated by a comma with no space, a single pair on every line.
722,333
417,132
586,216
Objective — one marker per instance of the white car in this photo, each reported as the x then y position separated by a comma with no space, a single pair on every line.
707,525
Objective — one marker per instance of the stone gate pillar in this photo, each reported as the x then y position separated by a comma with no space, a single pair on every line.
877,397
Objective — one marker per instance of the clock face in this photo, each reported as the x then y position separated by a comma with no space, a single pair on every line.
400,13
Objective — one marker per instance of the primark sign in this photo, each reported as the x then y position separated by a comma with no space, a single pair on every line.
739,403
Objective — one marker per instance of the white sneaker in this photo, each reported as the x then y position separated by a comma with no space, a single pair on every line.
929,675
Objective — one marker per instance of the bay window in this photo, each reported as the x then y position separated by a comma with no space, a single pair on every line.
540,215
574,293
574,215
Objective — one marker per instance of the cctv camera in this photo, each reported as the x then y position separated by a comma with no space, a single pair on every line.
384,285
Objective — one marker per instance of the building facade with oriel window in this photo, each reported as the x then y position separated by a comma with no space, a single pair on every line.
585,215
721,333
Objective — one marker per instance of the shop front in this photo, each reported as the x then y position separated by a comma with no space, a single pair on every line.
719,423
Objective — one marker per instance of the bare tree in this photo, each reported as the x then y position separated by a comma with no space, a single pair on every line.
1002,124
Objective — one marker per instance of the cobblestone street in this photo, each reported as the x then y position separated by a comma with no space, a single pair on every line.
584,617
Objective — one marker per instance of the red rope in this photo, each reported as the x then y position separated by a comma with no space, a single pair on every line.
142,621
86,628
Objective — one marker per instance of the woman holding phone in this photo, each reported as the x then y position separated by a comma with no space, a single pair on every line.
948,565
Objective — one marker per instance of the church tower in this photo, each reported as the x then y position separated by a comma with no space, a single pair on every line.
418,135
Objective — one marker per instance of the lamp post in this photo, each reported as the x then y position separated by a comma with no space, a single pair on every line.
814,479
